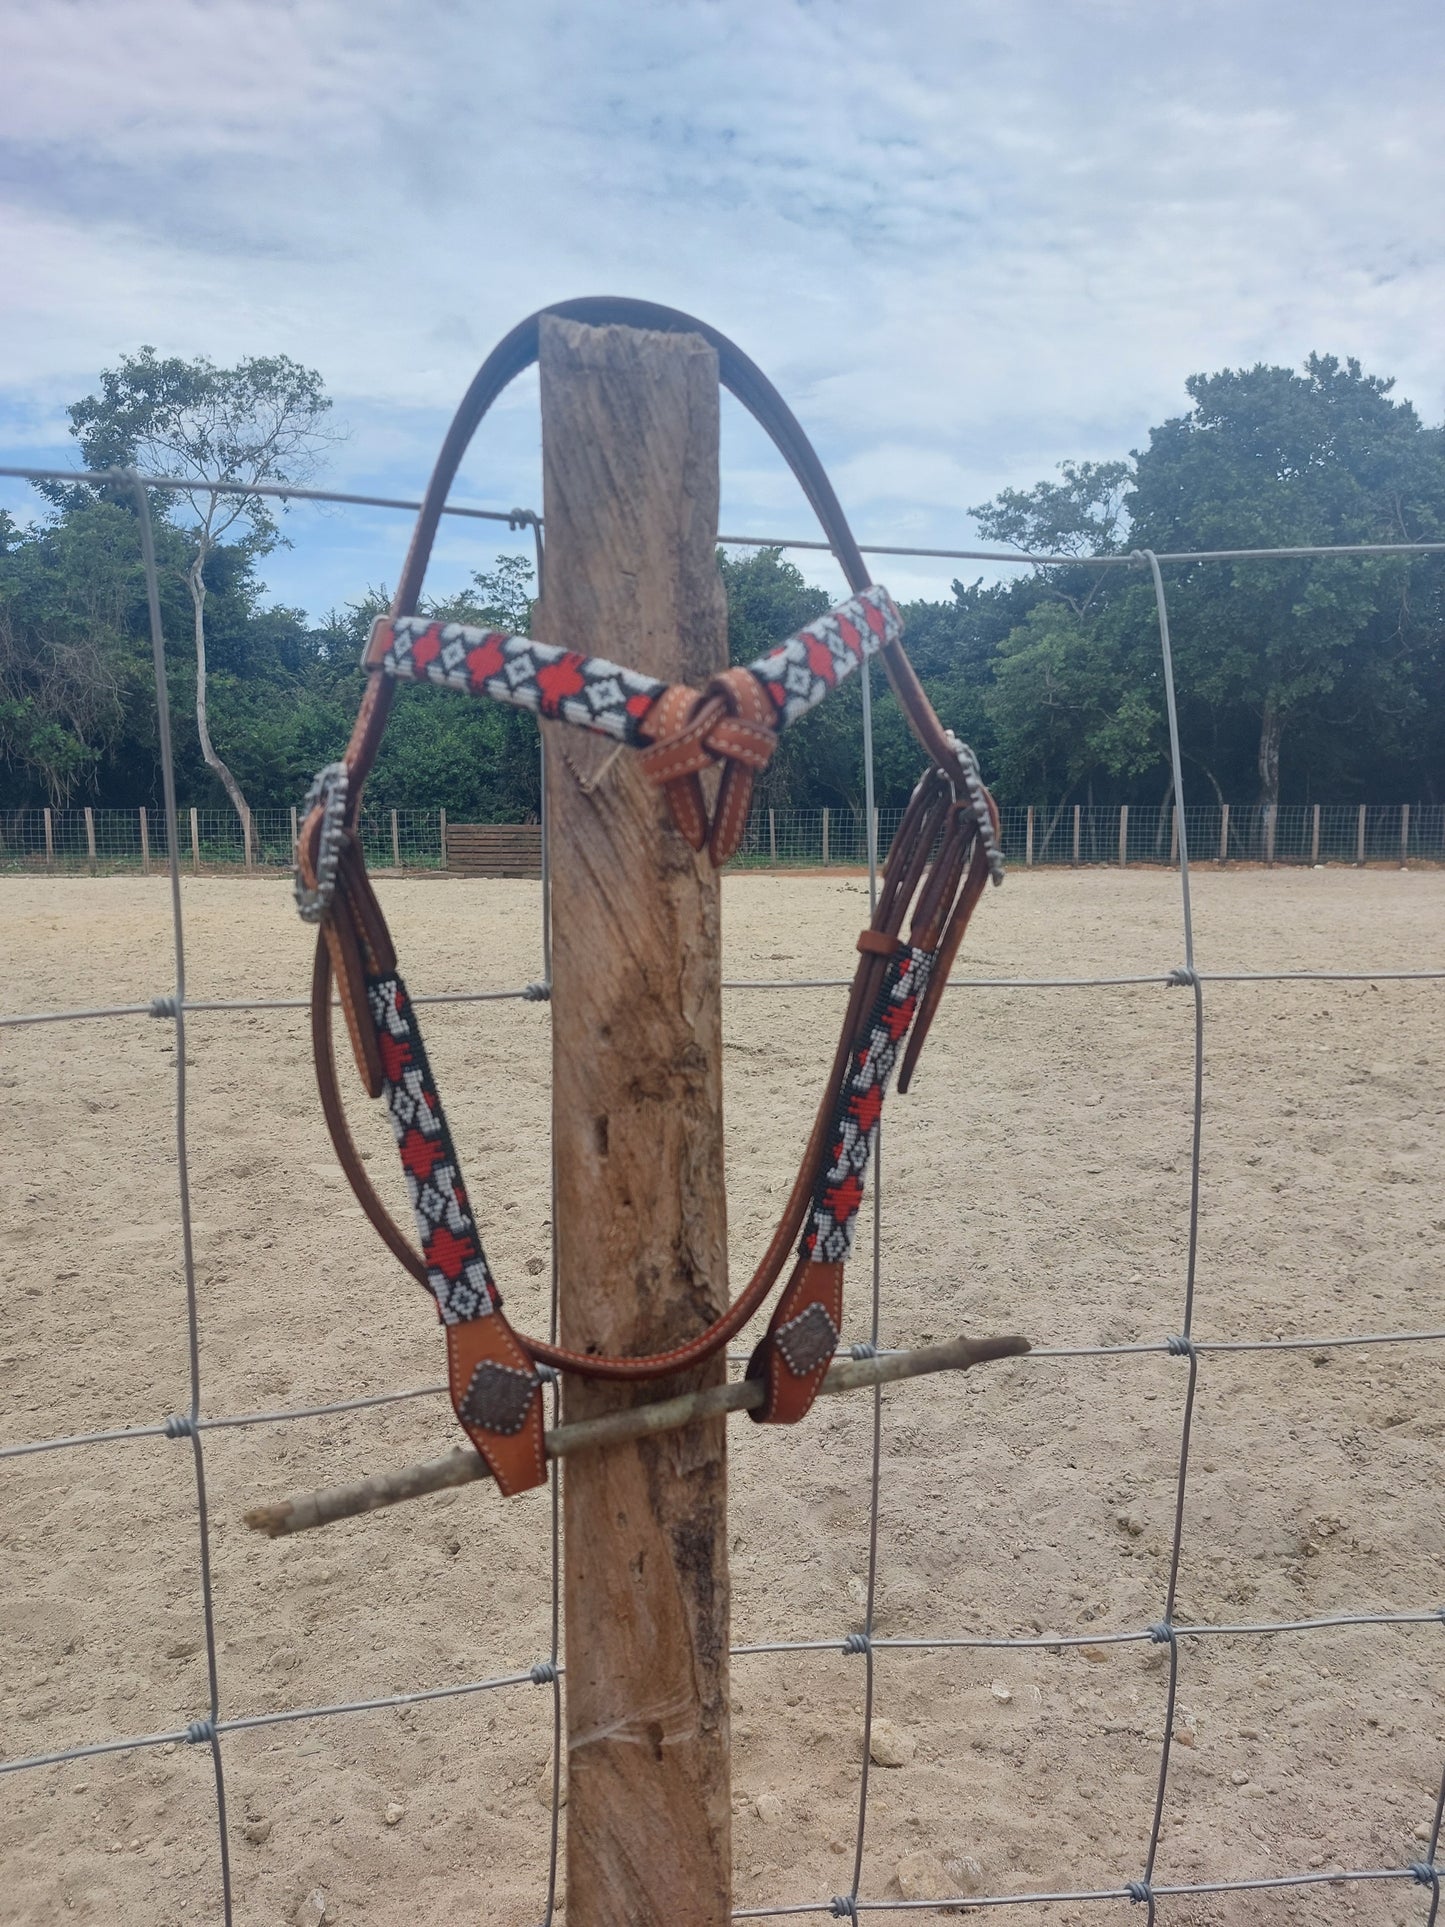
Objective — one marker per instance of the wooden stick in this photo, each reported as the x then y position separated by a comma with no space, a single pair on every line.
462,1465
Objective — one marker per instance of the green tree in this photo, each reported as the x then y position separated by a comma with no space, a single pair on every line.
1085,514
76,691
262,420
1071,698
1270,458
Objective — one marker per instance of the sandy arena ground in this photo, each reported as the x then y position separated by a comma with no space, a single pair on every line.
1036,1180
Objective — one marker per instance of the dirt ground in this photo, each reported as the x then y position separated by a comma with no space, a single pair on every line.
1036,1180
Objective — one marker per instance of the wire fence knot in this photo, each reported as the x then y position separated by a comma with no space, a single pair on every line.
1183,975
1181,1346
858,1643
539,992
180,1425
164,1007
1425,1873
1140,1890
544,1673
548,1374
201,1732
863,1349
1161,1632
843,1907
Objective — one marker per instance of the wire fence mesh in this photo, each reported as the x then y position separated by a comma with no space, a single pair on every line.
139,841
104,841
1188,832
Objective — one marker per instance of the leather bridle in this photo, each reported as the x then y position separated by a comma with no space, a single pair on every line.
942,855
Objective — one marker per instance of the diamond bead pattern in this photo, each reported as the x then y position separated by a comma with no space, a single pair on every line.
458,1275
828,1236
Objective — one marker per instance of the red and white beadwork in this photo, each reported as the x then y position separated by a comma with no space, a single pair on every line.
593,693
587,691
828,1235
799,673
458,1275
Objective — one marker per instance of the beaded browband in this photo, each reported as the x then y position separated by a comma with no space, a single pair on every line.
943,853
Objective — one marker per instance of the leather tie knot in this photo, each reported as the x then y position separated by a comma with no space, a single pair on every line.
732,723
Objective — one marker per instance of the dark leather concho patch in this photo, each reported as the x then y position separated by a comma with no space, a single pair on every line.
498,1398
805,1341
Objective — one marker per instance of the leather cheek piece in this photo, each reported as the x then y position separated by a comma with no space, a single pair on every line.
497,1397
793,1358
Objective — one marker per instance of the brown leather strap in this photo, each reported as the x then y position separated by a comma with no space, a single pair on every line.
926,816
793,1357
744,379
498,1398
731,723
948,946
720,725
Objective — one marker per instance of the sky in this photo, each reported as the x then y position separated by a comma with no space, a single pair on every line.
967,241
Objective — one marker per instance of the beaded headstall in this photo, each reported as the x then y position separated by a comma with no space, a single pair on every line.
945,850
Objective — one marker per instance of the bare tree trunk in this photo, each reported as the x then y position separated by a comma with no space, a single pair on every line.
196,579
1271,729
1054,821
1199,763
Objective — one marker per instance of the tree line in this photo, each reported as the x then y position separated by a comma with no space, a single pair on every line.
1298,679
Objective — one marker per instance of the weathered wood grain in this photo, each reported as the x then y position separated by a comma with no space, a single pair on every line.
630,483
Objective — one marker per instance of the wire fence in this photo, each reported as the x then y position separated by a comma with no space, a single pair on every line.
139,842
1137,1884
211,841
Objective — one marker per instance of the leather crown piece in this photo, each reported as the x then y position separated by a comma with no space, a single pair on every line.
944,852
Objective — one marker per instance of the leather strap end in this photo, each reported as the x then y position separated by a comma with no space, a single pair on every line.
878,943
689,809
793,1357
948,949
730,813
497,1397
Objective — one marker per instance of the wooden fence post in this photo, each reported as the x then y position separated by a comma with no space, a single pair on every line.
630,486
772,836
295,833
1315,835
195,844
1123,834
90,838
1360,836
1029,839
145,843
442,826
1078,812
1271,812
1173,837
49,841
1223,834
247,847
395,842
1404,835
825,836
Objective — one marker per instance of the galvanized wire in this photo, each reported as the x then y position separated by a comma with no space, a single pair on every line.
174,1007
183,1176
538,992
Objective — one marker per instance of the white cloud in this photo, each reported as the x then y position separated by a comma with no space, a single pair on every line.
966,241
